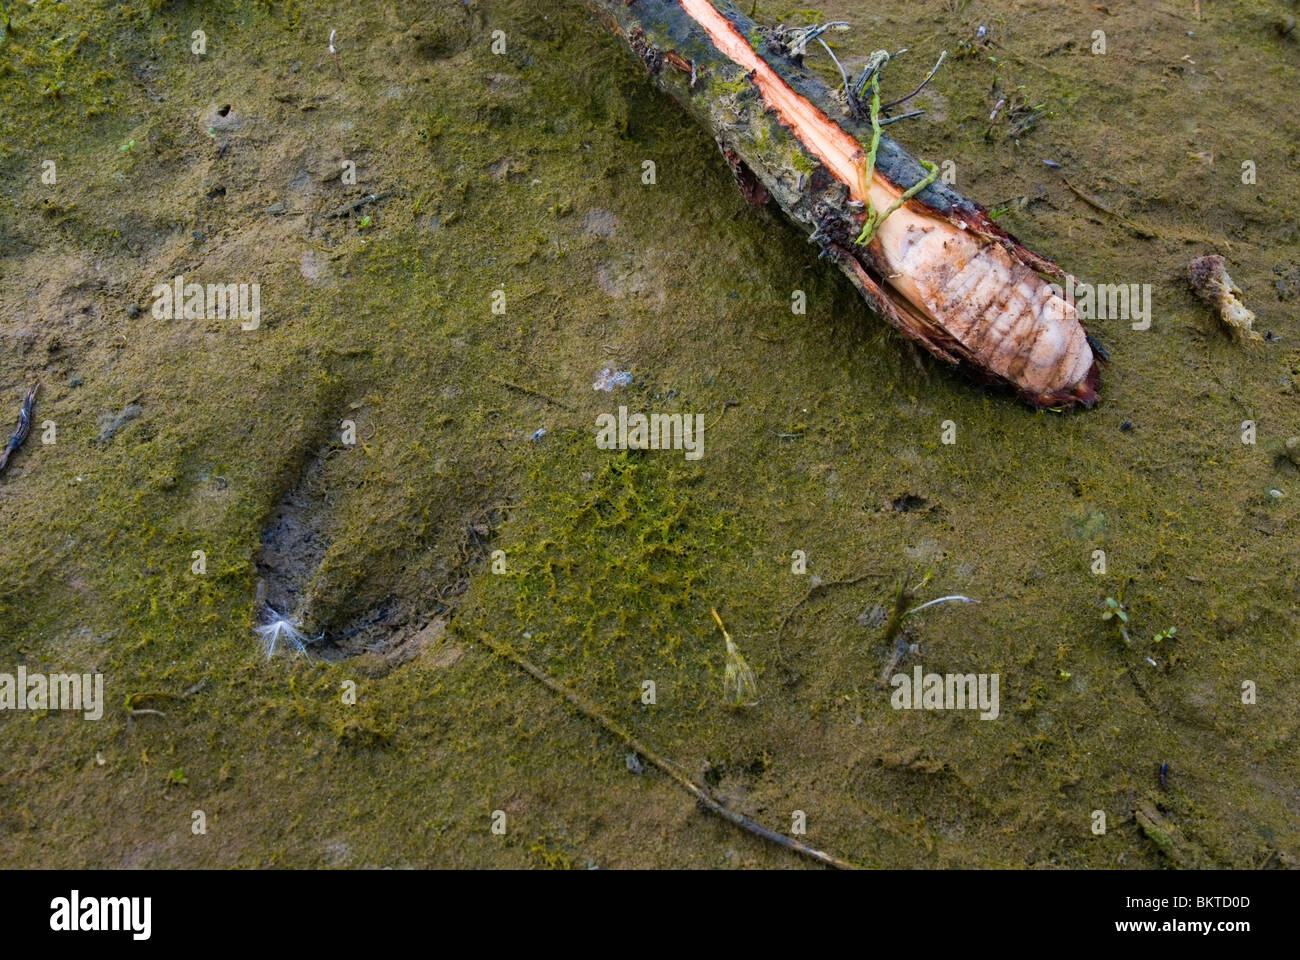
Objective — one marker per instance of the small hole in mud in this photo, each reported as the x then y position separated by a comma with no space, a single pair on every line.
909,502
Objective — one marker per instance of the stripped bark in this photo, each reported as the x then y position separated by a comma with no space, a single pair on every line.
938,269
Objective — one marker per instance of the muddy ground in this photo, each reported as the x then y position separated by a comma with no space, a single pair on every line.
522,171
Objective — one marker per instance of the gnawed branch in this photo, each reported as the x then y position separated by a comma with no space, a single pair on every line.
933,264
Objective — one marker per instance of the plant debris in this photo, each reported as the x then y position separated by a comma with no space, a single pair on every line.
1208,277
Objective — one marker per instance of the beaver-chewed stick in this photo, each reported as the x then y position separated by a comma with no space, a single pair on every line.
937,268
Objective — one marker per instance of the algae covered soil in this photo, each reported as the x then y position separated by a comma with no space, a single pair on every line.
504,145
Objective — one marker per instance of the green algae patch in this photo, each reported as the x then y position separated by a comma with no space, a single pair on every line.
612,582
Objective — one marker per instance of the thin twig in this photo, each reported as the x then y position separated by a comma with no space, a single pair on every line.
1096,204
353,206
1149,232
902,116
848,89
874,64
1034,63
589,710
808,34
921,86
532,393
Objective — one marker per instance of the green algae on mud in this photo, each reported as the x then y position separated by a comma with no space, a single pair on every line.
495,162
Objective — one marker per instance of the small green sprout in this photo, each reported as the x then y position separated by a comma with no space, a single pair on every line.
1063,675
738,683
1164,635
126,147
365,223
1116,614
178,776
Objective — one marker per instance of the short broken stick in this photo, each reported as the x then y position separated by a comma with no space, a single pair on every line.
24,427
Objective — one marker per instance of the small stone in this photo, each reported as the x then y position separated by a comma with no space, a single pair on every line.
634,763
610,378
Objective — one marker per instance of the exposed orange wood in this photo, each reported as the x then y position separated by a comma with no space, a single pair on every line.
841,153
